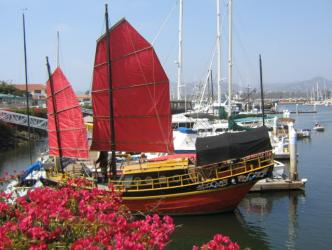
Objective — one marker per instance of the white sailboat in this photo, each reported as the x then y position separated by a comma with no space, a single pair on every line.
194,119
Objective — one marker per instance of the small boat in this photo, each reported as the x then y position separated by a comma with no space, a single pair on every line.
318,127
278,170
28,180
303,133
280,148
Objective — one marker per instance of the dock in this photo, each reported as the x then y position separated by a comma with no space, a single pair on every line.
292,112
304,112
291,182
278,185
284,156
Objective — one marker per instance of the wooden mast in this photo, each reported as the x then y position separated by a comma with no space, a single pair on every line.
26,88
109,76
55,112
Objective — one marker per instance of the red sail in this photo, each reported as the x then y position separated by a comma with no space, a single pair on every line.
140,87
72,132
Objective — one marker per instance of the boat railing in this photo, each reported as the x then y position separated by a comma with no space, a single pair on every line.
198,175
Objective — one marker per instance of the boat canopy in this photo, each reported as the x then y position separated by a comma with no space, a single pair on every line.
66,117
36,166
140,93
213,149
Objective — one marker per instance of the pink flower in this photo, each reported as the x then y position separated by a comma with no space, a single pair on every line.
3,207
80,218
25,223
37,233
39,246
219,242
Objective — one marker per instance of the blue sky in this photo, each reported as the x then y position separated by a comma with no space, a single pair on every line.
294,37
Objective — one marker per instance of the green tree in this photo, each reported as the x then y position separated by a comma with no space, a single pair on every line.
6,88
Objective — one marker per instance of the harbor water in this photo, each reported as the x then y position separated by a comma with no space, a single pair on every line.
279,220
272,220
16,160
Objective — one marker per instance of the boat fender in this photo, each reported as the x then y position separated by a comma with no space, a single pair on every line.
304,180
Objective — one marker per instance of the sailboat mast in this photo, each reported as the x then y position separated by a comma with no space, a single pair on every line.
262,91
218,54
109,69
317,92
26,87
230,55
58,50
211,82
55,114
179,63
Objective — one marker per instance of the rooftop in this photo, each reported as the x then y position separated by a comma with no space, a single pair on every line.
31,86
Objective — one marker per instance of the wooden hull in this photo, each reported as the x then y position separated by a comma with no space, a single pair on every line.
197,202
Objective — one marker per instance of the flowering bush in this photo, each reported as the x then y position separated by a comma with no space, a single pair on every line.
219,242
75,218
70,217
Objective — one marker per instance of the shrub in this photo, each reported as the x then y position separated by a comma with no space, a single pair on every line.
219,242
75,218
70,217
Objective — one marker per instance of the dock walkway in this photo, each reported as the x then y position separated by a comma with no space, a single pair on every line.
278,184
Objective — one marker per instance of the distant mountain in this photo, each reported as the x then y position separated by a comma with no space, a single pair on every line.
290,89
301,86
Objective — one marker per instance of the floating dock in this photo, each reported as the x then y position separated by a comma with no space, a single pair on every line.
278,185
291,183
292,112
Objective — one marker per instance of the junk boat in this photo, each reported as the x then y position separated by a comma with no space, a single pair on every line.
131,109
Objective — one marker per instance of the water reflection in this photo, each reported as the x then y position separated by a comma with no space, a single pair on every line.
18,159
262,203
196,230
305,140
251,225
258,206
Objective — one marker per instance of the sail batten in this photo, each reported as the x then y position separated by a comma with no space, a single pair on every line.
70,128
59,91
65,109
130,86
140,90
